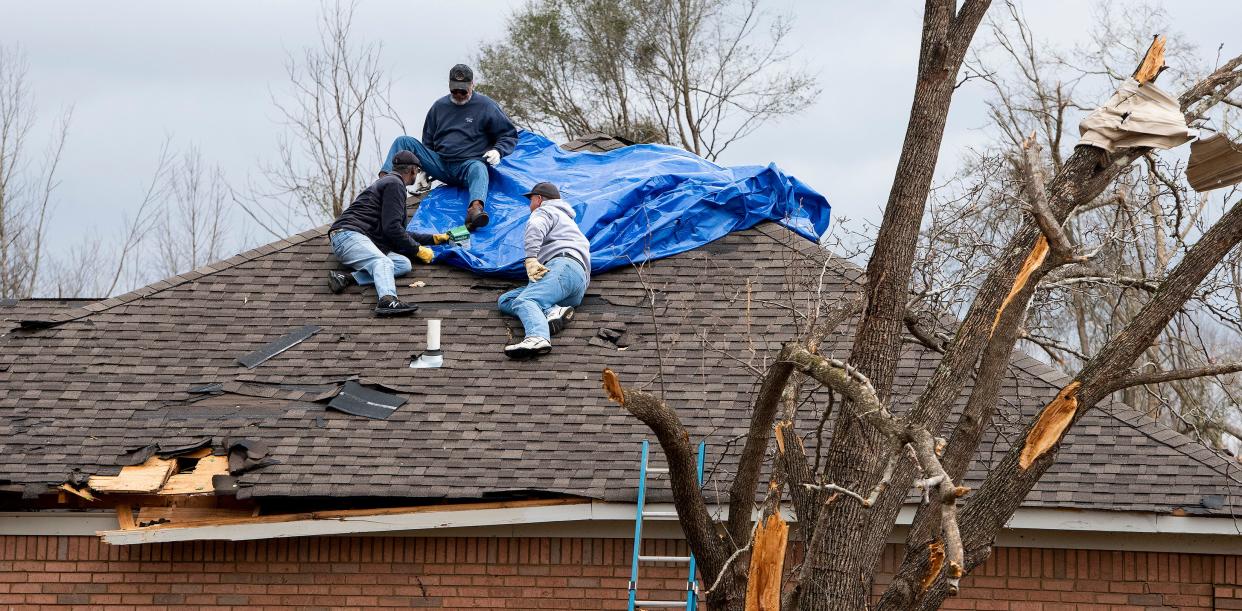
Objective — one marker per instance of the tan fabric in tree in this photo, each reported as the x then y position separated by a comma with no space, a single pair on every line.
1215,162
1136,116
767,561
1053,421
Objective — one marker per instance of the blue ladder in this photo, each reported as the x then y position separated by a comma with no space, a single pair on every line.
692,590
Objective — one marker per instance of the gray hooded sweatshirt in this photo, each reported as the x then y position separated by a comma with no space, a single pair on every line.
551,230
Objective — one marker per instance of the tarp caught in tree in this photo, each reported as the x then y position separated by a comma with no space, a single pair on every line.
1136,115
634,204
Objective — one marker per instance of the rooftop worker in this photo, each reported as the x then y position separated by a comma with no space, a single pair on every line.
370,237
462,130
558,264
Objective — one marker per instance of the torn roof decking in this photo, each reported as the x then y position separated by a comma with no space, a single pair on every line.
80,393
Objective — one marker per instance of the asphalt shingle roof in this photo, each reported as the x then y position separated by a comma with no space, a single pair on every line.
117,374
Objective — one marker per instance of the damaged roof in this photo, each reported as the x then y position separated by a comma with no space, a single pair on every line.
83,386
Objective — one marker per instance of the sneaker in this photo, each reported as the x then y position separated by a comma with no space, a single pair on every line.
391,306
531,346
339,281
559,317
476,216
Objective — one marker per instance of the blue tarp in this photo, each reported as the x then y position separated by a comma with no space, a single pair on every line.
635,204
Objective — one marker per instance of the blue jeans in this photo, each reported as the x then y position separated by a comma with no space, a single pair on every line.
470,173
374,267
563,285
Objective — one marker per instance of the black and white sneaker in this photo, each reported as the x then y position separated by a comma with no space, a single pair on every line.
339,281
559,317
531,346
391,306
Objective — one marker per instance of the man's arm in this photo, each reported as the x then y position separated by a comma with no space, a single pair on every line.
504,134
537,227
392,219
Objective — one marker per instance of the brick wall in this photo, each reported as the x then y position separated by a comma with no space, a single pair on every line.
532,573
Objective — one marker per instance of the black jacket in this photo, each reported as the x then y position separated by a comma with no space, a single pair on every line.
379,213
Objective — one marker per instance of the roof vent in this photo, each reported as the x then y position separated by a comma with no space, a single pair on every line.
433,357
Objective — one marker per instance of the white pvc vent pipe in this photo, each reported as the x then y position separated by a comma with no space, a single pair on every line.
433,356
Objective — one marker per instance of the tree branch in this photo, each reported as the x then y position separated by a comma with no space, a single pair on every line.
1158,377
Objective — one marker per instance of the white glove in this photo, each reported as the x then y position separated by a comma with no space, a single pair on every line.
421,183
492,157
534,269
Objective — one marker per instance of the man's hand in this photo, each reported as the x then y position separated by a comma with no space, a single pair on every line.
440,238
534,269
492,157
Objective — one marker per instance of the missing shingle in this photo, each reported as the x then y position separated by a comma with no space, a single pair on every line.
281,344
359,400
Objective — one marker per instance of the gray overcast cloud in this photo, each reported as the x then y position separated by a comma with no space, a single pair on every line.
137,72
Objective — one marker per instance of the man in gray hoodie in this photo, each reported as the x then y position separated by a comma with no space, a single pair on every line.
558,264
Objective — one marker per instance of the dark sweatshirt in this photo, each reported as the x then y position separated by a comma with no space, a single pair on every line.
379,213
464,132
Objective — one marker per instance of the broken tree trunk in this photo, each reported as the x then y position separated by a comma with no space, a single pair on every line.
836,582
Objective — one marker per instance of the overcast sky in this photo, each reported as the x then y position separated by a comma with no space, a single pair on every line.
200,73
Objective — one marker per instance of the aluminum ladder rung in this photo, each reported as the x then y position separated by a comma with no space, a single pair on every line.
664,558
659,514
657,469
662,604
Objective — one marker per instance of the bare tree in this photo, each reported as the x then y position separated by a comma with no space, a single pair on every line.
699,74
25,190
338,92
1149,218
847,503
192,225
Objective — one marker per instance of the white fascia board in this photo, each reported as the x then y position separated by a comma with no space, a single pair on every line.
611,520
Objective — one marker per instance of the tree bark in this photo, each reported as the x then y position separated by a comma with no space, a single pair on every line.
841,577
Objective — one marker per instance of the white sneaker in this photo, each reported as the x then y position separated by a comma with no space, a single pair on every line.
531,346
559,317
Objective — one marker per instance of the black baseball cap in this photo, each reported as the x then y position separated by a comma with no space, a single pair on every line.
405,158
546,189
460,77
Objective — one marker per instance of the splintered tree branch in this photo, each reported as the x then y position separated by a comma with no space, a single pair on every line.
1153,62
1158,377
1037,199
692,510
946,494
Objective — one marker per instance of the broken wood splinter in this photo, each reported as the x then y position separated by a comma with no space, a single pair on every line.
1051,425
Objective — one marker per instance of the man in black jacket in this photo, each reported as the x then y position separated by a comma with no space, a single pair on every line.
370,237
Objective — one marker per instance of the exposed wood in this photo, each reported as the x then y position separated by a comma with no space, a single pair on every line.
199,453
767,561
147,477
352,513
935,563
1153,62
1032,263
198,480
612,386
1051,424
125,517
79,492
184,516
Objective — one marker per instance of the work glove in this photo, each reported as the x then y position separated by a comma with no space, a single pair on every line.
421,183
534,269
425,255
492,157
440,238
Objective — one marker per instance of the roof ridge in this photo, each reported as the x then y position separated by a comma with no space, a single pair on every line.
178,279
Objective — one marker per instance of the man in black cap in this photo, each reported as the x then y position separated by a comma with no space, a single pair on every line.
462,131
558,265
370,237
